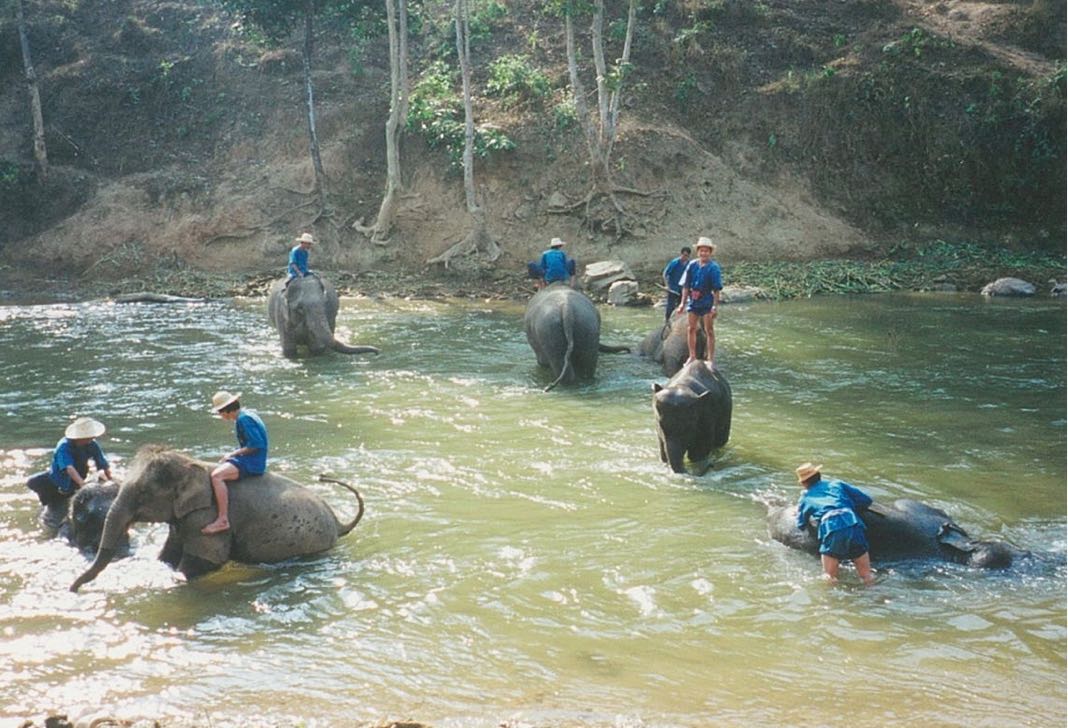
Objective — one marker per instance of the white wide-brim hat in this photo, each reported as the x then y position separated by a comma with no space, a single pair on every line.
84,428
806,471
222,398
556,243
306,238
704,242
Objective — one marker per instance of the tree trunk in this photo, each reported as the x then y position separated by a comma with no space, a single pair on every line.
463,53
313,136
40,153
397,21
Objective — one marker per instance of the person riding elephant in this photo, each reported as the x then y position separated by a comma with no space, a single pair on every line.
272,518
563,327
69,469
904,530
693,414
304,312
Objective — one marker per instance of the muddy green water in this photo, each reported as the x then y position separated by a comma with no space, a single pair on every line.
525,557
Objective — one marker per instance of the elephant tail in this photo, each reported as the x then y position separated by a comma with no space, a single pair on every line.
569,331
344,528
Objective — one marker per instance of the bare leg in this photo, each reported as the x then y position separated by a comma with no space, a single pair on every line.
219,476
830,567
692,320
710,338
863,566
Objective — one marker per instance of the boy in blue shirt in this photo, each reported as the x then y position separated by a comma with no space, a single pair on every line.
673,281
250,457
557,266
833,505
70,467
298,257
701,284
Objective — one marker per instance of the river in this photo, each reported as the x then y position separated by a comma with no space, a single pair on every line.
525,558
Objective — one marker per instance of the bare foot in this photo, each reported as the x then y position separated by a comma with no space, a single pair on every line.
689,361
216,527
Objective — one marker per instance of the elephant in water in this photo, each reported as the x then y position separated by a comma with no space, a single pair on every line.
272,518
693,414
563,328
667,346
906,530
305,312
88,511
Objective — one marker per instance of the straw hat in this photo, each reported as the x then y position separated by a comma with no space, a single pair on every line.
806,471
222,398
306,238
84,428
557,243
703,242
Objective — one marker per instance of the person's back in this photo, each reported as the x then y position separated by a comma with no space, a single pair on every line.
554,263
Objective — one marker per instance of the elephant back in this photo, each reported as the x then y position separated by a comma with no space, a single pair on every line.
273,518
557,316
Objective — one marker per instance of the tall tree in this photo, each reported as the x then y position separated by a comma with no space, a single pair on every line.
399,92
478,239
40,153
278,19
601,130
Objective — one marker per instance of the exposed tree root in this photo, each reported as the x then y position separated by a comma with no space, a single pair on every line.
619,221
478,240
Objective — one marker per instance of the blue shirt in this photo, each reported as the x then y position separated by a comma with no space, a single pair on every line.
834,503
66,454
703,278
251,433
557,266
298,262
673,274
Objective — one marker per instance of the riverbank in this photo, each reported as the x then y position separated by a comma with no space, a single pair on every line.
935,266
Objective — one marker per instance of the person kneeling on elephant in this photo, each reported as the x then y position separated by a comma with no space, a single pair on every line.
70,467
250,457
833,506
298,257
557,267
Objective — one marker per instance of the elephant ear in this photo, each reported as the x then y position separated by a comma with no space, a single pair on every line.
192,491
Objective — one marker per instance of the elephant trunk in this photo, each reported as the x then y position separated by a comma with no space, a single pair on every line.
118,520
320,337
676,454
347,349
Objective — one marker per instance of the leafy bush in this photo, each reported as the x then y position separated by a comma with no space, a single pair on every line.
436,113
514,79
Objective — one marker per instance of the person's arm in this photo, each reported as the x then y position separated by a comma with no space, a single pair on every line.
861,500
717,285
666,275
75,476
802,515
102,464
684,282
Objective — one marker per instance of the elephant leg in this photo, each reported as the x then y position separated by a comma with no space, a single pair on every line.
663,450
171,553
194,566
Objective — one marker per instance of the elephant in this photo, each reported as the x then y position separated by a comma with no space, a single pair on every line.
272,518
667,346
88,509
304,311
693,414
563,328
906,530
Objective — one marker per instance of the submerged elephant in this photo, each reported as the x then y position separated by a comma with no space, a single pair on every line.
305,312
906,530
563,328
88,509
667,346
693,414
272,518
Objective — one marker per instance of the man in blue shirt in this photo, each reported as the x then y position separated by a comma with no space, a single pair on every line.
833,506
250,457
672,281
701,285
298,257
70,466
557,266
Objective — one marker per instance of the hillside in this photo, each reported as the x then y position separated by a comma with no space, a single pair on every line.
785,130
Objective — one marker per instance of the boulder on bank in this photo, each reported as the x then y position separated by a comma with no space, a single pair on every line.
1008,287
623,293
741,294
601,275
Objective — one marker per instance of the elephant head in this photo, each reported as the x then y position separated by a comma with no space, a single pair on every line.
678,413
304,310
88,511
160,489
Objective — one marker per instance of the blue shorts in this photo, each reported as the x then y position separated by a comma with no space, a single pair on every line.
242,468
845,543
